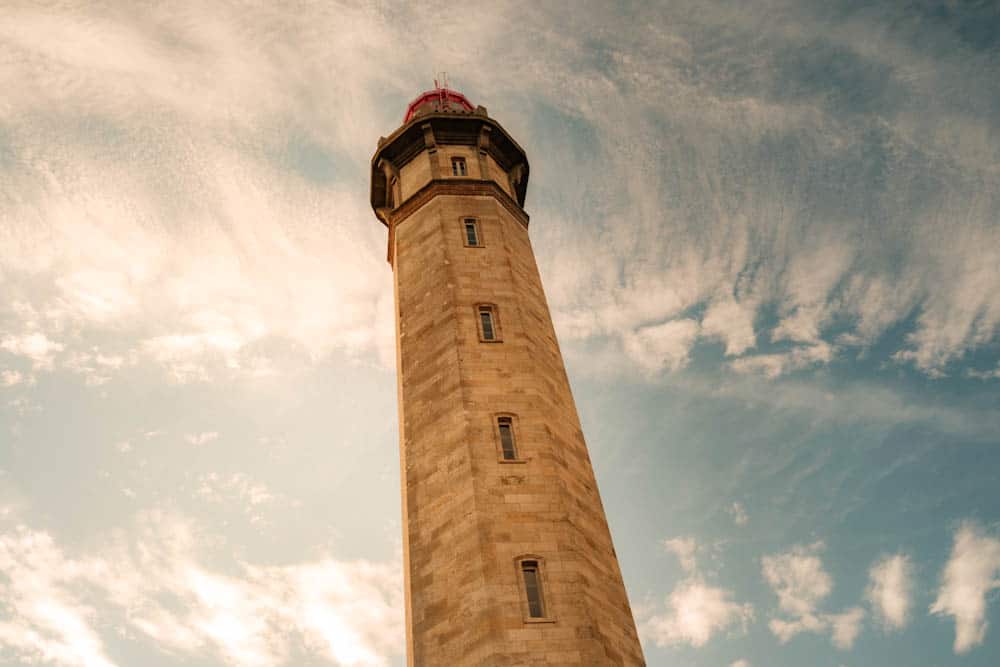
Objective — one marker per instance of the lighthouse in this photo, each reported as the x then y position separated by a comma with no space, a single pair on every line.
507,554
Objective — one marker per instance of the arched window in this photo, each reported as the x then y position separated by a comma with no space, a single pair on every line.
488,323
531,576
470,232
508,439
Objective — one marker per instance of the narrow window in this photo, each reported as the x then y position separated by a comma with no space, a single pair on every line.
489,324
486,320
506,427
533,588
458,166
471,232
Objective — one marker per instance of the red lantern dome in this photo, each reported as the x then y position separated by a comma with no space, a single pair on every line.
436,101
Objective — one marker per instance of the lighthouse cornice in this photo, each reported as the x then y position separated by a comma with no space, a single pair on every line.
424,135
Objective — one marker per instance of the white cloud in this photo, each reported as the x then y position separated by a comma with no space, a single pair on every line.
845,627
251,496
347,613
22,405
201,438
812,275
662,346
214,486
890,591
740,663
43,620
966,314
801,583
739,514
732,322
96,367
984,375
34,346
9,378
774,365
695,610
877,302
685,548
972,571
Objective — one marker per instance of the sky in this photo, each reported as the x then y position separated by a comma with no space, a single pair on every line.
768,232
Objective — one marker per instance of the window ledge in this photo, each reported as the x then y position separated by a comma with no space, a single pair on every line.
547,619
512,460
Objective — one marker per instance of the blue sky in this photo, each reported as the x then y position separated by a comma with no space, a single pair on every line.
769,236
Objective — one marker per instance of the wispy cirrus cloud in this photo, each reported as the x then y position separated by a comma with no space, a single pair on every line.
165,212
817,206
194,177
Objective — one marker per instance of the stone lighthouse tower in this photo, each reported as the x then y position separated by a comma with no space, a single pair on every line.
507,555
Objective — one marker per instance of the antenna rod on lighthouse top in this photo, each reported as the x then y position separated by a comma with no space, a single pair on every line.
441,84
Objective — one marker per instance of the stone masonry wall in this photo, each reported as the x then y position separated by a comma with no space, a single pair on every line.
469,515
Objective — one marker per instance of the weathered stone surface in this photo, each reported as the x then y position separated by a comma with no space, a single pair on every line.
470,516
